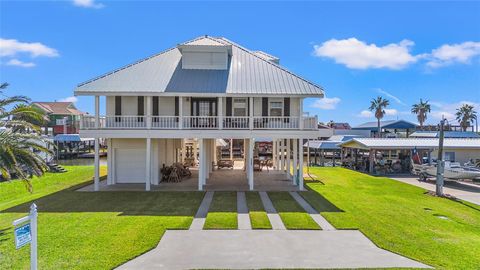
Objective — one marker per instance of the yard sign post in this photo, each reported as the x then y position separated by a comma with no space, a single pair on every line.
27,233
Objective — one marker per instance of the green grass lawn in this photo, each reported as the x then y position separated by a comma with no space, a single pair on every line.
222,213
292,214
89,230
258,216
399,217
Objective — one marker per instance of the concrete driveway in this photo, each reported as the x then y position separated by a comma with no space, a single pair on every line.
466,191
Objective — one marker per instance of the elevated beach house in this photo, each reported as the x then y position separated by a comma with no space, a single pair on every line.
202,90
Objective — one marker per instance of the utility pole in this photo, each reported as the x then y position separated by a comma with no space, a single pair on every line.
440,162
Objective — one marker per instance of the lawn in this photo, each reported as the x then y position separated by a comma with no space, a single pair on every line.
258,216
292,214
222,213
399,217
87,230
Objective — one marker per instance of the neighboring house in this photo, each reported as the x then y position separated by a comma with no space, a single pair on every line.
205,89
58,113
389,127
447,134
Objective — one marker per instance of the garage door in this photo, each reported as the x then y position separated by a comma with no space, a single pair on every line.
130,165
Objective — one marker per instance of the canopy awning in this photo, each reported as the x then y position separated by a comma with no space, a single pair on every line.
71,138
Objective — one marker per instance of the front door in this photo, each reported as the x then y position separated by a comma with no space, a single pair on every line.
205,110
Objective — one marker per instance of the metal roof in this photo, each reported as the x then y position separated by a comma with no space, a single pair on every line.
332,143
447,134
247,74
410,143
70,138
390,124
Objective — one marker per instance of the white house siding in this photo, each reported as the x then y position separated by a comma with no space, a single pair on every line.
166,106
461,155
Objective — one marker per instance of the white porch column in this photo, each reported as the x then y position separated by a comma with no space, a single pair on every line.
148,161
149,112
250,104
201,165
295,161
288,159
274,153
300,164
231,149
279,156
300,114
97,112
109,162
184,151
195,150
97,165
282,152
180,112
220,113
251,145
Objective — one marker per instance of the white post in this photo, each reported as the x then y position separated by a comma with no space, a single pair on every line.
201,162
250,122
97,112
300,164
288,158
251,145
279,159
184,151
33,244
195,150
300,114
96,161
231,149
180,112
220,113
295,161
274,153
282,149
149,112
148,166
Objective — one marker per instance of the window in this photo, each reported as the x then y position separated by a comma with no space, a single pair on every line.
276,108
239,107
450,156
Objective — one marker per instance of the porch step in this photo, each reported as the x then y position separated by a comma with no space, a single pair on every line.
55,168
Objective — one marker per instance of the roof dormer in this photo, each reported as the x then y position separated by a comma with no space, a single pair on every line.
211,57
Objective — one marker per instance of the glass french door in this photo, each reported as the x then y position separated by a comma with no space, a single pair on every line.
206,111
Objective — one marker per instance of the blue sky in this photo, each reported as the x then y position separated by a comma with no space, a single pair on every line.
403,51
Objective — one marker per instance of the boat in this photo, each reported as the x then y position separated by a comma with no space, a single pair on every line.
452,171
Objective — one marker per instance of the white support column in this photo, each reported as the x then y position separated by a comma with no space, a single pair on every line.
96,161
288,159
148,161
300,164
184,151
220,113
109,162
279,159
180,112
282,151
250,122
195,146
251,145
274,153
201,164
97,112
295,161
149,112
245,157
300,114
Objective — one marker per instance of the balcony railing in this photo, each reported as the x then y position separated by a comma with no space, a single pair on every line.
200,122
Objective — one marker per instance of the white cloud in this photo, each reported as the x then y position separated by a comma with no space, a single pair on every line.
357,54
18,63
381,91
456,53
69,99
12,47
326,103
391,112
365,114
88,4
447,110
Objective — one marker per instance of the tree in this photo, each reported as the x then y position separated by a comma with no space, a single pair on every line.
378,106
465,116
421,109
20,140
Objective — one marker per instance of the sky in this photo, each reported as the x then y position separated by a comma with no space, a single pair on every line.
403,51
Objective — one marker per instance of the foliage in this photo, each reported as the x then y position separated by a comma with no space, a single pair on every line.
465,115
378,105
421,109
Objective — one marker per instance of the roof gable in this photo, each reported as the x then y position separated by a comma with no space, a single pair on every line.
247,74
58,108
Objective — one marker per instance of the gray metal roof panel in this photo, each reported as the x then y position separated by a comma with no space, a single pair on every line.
247,73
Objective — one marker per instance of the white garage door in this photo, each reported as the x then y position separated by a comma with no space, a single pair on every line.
130,165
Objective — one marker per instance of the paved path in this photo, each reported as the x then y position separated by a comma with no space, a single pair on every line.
319,219
465,191
254,249
242,209
272,214
199,219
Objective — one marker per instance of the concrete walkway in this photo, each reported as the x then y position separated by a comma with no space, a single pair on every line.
272,214
319,219
199,219
243,215
465,191
254,249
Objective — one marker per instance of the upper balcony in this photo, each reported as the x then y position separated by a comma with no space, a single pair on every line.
136,122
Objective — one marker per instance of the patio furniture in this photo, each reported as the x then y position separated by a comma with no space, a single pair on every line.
257,165
225,163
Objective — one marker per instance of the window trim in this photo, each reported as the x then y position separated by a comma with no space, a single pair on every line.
235,106
275,100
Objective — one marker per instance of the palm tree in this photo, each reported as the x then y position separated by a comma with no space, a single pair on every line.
465,116
421,109
20,141
378,106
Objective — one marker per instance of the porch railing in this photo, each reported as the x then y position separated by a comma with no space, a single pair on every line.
199,122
